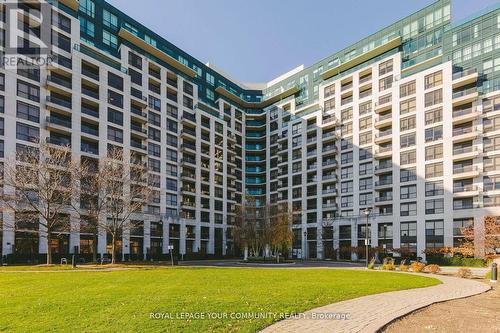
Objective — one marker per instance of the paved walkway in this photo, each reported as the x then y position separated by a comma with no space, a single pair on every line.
371,313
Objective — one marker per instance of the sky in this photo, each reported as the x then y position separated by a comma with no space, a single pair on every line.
259,40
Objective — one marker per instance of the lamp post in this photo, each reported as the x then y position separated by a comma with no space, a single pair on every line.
305,245
367,214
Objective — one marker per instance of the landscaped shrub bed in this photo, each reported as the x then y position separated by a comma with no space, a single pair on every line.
456,261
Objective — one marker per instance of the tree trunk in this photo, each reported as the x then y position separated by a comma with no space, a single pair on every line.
113,251
49,250
94,248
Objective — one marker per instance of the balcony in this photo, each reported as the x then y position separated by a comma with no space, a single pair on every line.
59,85
384,103
329,205
58,104
188,146
383,183
465,190
188,189
139,130
138,146
464,78
383,168
383,120
330,177
187,117
467,171
468,152
188,132
329,192
329,120
465,96
465,115
383,199
465,133
383,152
330,149
330,163
383,136
57,123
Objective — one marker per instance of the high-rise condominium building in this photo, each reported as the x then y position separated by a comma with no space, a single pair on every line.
405,122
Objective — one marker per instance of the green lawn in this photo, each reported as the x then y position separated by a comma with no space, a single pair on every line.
121,301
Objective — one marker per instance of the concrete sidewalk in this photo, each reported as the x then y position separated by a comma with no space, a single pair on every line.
371,313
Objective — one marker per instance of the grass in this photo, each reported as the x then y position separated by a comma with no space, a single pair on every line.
121,301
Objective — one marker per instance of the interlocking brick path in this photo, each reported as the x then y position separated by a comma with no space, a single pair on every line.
371,313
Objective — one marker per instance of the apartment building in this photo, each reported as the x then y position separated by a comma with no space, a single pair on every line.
404,123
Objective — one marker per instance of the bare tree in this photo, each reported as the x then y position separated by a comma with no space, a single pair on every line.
38,183
113,193
281,235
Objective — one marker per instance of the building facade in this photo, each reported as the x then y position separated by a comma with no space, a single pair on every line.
405,122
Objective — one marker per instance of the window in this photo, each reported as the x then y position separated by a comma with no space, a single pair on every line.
433,116
365,199
171,126
365,168
29,73
28,112
172,140
171,155
407,123
408,232
408,209
115,134
1,148
154,103
346,201
87,27
385,83
408,192
188,88
109,39
408,106
210,79
408,157
346,143
2,104
329,104
154,134
27,132
330,90
115,81
365,154
407,140
346,115
28,91
433,133
433,152
135,60
346,158
433,80
187,102
434,206
365,108
385,67
154,165
434,188
171,184
434,170
407,175
346,187
346,172
87,7
172,111
365,183
434,234
171,170
433,97
115,117
346,129
407,89
154,118
109,20
365,123
365,138
115,99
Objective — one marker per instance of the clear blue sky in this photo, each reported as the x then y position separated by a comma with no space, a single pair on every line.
258,40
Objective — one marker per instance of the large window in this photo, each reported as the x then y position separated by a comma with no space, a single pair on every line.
408,192
408,209
408,157
434,206
407,89
433,80
434,170
407,106
109,39
385,67
433,133
109,20
407,140
28,91
28,112
407,123
87,7
27,132
434,97
434,234
115,134
433,116
434,188
433,152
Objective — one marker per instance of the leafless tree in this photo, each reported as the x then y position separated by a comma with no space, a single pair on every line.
112,192
38,183
281,235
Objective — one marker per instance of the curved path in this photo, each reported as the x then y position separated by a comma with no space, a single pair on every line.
373,312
